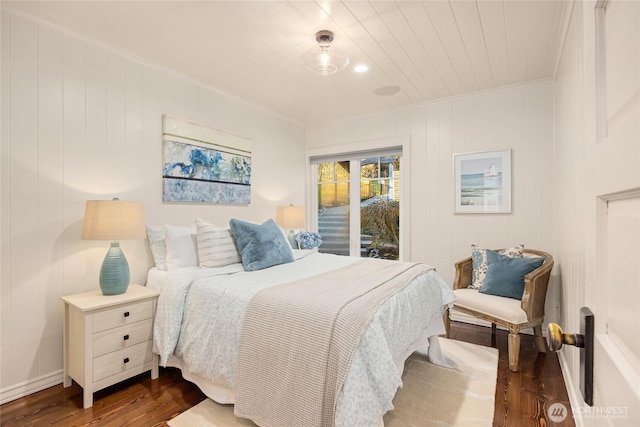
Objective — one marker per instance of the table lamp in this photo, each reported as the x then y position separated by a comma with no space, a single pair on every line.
291,217
113,220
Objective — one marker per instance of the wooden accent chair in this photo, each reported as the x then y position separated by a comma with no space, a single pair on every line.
509,313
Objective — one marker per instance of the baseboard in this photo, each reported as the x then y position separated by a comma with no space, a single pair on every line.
28,387
575,400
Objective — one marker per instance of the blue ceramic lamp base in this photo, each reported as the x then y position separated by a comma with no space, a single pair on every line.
292,240
114,273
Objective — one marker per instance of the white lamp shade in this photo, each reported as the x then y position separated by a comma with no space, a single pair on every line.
113,220
291,217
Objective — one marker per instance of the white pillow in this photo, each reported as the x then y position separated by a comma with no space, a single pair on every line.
216,247
181,246
158,246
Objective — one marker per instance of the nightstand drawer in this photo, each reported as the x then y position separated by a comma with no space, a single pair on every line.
121,360
122,315
122,337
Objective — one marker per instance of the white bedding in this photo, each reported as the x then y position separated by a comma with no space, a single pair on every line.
200,313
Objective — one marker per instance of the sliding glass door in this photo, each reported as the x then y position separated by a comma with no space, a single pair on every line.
359,206
380,207
333,191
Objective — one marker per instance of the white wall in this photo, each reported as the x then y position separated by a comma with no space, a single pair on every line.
81,122
519,118
569,157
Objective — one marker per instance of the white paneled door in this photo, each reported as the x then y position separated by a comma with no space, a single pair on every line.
613,162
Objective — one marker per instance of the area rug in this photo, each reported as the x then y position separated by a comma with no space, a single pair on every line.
430,396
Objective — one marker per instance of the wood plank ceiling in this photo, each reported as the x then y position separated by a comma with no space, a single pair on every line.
428,49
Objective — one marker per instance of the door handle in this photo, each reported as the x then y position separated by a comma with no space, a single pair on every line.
584,340
556,338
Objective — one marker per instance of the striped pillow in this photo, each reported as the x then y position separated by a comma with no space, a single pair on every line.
216,247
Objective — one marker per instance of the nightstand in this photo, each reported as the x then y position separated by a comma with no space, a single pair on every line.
108,338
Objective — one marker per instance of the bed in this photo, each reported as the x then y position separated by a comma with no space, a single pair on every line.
214,324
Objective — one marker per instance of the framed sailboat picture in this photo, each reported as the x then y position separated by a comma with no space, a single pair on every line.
482,182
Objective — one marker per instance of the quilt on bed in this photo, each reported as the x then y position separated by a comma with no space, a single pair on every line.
200,314
321,317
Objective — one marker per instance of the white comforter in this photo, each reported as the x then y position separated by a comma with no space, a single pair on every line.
200,312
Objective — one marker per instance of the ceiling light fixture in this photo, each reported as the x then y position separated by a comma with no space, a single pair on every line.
361,68
320,60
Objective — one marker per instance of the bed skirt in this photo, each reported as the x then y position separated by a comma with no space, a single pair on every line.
425,345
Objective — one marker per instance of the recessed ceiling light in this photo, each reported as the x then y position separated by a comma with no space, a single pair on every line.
387,90
361,68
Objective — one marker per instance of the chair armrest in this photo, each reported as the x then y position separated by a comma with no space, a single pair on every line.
463,272
535,288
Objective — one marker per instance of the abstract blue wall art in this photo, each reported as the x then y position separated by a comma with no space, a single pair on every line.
204,165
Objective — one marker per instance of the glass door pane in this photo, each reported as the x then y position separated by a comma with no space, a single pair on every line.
375,232
333,207
380,207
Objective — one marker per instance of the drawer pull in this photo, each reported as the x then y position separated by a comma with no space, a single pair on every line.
126,314
126,360
126,337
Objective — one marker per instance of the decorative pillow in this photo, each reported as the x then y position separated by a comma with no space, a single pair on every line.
216,247
479,262
505,275
158,245
260,245
182,250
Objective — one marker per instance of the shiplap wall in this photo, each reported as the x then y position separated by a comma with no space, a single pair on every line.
81,122
569,218
518,118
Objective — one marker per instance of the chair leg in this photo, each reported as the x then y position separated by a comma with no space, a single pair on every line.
537,332
493,336
514,350
447,323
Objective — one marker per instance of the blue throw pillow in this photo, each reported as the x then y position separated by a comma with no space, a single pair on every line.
479,262
260,245
505,275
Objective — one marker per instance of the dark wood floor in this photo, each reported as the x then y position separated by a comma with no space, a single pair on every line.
522,398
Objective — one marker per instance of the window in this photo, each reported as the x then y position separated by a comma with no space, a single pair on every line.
369,186
333,190
380,207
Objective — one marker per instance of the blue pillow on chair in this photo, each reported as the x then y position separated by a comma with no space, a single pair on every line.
260,245
505,275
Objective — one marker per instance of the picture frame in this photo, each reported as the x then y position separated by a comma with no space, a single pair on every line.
203,164
482,182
